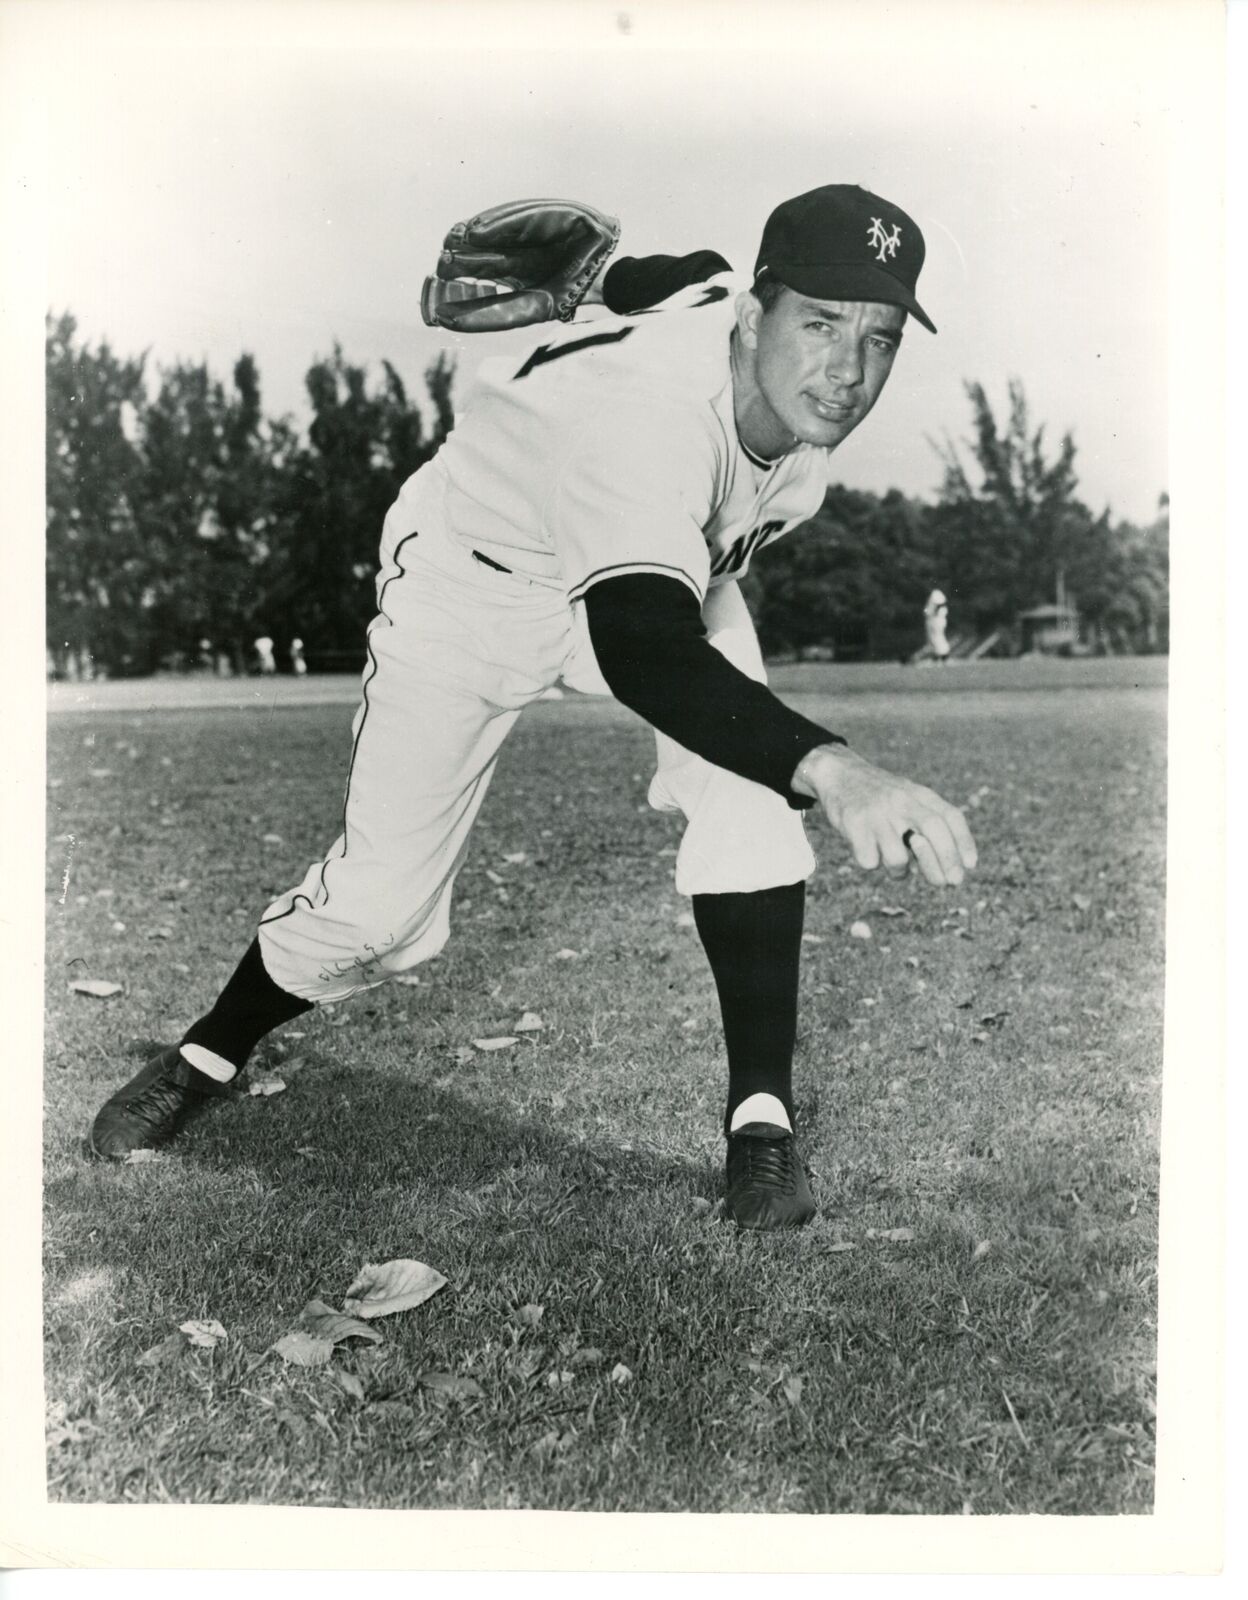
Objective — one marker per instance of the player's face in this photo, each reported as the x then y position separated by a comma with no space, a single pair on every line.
813,368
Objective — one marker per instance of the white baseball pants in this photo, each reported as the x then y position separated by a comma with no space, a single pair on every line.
456,651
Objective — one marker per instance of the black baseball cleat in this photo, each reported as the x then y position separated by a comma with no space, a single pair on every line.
767,1185
154,1106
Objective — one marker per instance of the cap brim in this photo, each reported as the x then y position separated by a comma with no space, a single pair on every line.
852,280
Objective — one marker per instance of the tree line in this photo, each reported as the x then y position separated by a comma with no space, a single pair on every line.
183,523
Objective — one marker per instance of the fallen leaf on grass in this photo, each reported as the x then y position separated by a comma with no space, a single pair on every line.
304,1349
267,1086
567,955
207,1335
530,1022
701,1206
325,1323
451,1385
793,1391
517,858
620,1373
350,1384
896,1235
1081,902
981,1249
463,1054
894,911
841,1246
494,877
500,1043
160,933
410,979
859,930
167,1350
685,920
811,938
529,1316
559,1379
590,1356
97,988
272,838
139,1158
994,1019
379,1291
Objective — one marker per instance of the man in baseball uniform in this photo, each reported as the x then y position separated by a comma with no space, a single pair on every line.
586,521
936,624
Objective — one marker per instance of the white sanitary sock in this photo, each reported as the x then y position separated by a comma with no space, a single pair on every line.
760,1108
209,1063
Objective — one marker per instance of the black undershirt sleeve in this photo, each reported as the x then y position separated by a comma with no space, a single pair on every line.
635,282
651,644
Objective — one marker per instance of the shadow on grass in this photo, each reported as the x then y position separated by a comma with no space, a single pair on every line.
354,1162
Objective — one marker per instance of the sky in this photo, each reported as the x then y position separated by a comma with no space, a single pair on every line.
278,177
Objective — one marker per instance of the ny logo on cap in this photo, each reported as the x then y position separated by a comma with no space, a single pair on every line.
886,243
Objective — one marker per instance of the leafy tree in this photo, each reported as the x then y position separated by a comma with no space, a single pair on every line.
361,445
1011,538
1007,540
852,581
213,471
97,568
1122,582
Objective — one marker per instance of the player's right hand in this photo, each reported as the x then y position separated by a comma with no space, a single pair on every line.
888,821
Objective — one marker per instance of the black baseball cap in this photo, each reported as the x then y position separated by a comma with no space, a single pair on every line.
841,242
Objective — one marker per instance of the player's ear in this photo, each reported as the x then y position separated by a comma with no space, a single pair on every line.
749,316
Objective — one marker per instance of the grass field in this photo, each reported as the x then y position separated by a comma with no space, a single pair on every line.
982,1074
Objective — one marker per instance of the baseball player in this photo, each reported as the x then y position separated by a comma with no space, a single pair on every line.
936,622
587,521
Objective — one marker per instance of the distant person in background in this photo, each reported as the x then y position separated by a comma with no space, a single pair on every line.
206,659
298,665
936,620
264,655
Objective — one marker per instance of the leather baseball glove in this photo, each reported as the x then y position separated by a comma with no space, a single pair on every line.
522,262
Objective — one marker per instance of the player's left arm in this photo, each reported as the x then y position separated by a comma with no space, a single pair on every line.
651,645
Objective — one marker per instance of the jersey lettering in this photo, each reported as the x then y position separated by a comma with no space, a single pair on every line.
552,352
740,551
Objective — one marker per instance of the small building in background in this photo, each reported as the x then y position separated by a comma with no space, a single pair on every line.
1049,630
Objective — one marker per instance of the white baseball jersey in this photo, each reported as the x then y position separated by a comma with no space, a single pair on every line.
610,448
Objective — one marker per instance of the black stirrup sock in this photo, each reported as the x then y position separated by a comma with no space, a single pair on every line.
754,945
249,1006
